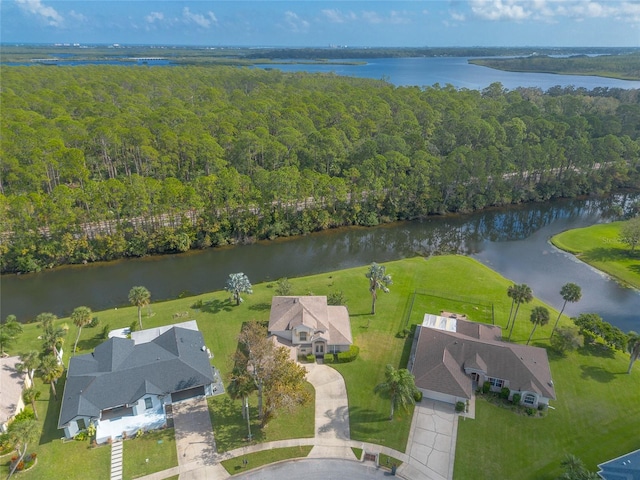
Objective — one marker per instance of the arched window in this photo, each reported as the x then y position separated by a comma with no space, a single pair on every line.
529,399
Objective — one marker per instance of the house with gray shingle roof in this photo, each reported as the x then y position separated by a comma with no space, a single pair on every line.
626,467
126,384
309,325
452,356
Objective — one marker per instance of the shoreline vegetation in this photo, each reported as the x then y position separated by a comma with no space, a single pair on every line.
590,419
209,157
600,246
622,66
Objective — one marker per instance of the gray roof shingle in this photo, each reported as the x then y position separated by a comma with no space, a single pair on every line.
119,372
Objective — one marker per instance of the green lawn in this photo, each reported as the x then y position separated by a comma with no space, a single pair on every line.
152,452
235,465
597,413
599,246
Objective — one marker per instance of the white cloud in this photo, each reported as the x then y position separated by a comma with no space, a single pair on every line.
336,16
501,9
372,17
154,16
296,24
48,14
77,17
204,21
458,17
550,10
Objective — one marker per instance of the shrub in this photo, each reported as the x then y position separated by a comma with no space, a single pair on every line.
336,298
504,392
81,436
197,304
417,396
311,358
105,332
350,355
486,386
530,411
460,406
139,433
24,415
95,321
516,399
328,358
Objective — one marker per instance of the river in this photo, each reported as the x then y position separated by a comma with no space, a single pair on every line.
456,71
512,241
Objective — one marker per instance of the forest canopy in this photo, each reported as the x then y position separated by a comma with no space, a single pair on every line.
102,162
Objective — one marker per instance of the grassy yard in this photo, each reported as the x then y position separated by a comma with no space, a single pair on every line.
597,412
599,246
235,465
152,452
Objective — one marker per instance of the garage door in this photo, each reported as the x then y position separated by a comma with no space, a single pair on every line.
186,394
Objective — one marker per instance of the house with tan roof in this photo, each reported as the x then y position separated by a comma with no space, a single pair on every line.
309,325
12,383
451,357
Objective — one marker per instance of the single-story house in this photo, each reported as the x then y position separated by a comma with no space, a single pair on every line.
452,356
626,467
309,325
126,384
12,383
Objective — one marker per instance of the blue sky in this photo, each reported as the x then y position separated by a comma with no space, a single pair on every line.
323,23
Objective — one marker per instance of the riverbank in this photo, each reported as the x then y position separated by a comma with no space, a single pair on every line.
600,247
590,418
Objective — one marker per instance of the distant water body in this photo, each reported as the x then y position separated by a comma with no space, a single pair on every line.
456,71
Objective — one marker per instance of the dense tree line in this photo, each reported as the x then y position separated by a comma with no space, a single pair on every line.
105,162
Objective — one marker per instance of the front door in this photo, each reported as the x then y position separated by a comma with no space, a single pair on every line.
319,348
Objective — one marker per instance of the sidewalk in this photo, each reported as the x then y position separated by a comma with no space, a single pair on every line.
430,448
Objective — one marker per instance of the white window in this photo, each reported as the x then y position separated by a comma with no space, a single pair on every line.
148,403
496,382
303,336
529,399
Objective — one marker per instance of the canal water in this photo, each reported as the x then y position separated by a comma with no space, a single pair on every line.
512,241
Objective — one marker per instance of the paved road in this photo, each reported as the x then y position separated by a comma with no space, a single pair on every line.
317,470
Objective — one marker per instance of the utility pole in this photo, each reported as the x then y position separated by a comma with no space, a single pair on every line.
246,406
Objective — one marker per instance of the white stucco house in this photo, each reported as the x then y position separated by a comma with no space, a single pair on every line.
309,325
127,384
452,356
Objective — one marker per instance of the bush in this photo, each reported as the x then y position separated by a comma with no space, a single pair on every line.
328,358
460,407
417,396
105,332
336,298
504,393
486,386
530,411
516,399
95,321
311,358
24,415
350,355
197,304
81,436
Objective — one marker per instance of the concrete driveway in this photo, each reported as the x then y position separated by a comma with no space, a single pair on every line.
432,442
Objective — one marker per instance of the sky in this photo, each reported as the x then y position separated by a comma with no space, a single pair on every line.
321,23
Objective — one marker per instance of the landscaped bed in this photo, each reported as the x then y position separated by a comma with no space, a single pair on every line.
258,459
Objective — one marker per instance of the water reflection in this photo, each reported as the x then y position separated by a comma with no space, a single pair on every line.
513,241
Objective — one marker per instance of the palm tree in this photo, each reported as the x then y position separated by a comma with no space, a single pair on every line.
29,362
510,293
30,395
633,347
52,336
570,292
51,371
81,316
9,330
399,385
139,297
522,293
378,280
238,283
21,434
539,316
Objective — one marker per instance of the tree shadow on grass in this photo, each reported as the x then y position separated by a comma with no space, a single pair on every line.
597,350
635,268
216,306
260,307
50,430
598,374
